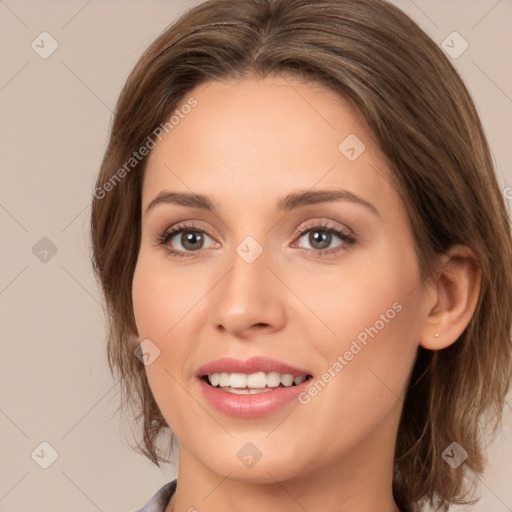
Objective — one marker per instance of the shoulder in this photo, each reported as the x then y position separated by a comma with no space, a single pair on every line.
161,499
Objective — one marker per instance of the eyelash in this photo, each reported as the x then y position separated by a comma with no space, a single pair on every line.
346,237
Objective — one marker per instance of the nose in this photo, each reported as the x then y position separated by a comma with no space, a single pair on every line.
250,298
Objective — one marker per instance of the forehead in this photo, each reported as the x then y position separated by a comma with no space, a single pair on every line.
256,138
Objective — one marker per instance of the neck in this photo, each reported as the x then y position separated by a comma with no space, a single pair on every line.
360,481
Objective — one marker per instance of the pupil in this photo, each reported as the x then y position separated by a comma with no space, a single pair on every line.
190,238
321,237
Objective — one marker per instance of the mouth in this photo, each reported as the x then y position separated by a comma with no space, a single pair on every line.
252,387
253,383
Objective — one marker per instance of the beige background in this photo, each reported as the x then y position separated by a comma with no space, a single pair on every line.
56,112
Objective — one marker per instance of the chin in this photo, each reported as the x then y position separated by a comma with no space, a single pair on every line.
259,461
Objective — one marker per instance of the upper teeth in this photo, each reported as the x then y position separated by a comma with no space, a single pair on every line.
254,380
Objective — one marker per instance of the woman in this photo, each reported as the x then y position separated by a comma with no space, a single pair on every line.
307,260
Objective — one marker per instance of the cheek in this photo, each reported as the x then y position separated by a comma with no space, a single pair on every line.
162,297
168,308
375,314
374,300
159,315
365,377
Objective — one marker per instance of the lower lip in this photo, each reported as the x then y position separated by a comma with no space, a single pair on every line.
251,406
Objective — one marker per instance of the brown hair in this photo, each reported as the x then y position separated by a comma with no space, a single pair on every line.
428,129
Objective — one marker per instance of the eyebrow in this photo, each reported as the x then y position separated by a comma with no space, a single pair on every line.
287,203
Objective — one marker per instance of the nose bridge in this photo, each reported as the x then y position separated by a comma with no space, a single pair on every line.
247,282
248,294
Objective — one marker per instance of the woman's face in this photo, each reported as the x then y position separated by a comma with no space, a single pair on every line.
322,287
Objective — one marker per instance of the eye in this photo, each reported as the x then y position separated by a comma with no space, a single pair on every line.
183,239
319,237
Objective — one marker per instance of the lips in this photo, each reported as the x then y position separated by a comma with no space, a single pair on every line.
251,388
248,366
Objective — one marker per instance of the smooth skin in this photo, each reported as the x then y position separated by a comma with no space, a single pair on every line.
246,145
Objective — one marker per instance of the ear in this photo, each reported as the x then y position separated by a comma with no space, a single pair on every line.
451,298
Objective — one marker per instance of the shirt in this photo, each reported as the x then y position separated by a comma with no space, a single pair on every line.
161,499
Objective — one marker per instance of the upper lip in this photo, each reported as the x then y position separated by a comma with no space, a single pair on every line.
251,365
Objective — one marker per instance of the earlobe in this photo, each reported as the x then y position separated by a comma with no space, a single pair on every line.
452,299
